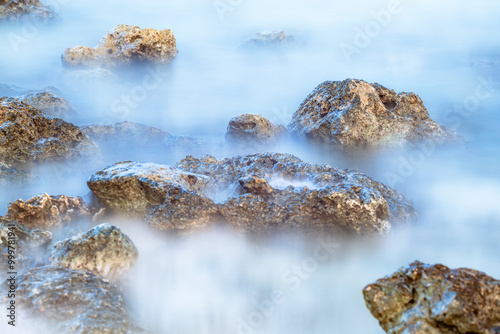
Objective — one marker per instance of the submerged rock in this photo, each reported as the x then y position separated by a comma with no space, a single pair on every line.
50,104
74,301
254,129
248,193
425,298
269,39
16,10
353,115
180,146
47,211
125,45
103,250
27,136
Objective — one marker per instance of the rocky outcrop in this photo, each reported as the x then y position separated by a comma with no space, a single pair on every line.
123,46
47,211
27,136
269,39
16,10
254,129
74,301
103,250
425,298
353,115
260,192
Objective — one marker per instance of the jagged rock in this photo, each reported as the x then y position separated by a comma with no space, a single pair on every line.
103,250
47,211
124,45
16,10
50,104
254,129
353,115
27,136
126,134
269,38
8,174
74,301
425,298
315,198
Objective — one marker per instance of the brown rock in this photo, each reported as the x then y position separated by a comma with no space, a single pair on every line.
50,104
125,45
353,115
16,10
254,129
425,298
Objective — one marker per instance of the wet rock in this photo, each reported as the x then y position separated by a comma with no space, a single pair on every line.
254,129
124,45
103,250
425,298
47,211
50,104
269,39
16,10
74,301
27,136
10,175
353,115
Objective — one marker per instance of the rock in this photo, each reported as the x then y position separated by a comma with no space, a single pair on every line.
17,10
123,46
353,115
269,38
254,193
180,146
50,104
27,136
47,211
425,298
103,250
254,129
74,301
9,175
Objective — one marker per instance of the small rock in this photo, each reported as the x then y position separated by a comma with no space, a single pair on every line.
17,10
425,298
269,39
74,301
47,211
103,250
124,45
254,129
353,115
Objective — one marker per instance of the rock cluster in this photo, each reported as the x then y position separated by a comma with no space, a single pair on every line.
425,298
240,191
123,46
353,115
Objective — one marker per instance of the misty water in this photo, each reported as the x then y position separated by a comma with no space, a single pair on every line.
447,52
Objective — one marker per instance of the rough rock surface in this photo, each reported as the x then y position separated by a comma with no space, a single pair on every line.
74,301
353,115
125,45
47,211
249,197
103,250
50,104
126,134
269,38
15,10
432,299
27,136
255,129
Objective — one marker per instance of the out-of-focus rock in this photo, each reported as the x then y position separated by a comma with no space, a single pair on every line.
124,45
10,175
254,129
425,298
180,146
90,76
74,301
353,115
50,104
269,39
17,10
27,136
103,250
47,211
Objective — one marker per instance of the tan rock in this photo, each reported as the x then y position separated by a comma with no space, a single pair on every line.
254,129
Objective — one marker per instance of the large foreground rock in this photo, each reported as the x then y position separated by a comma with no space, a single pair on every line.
103,250
353,115
74,301
16,10
254,129
47,211
125,45
260,192
435,299
27,136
